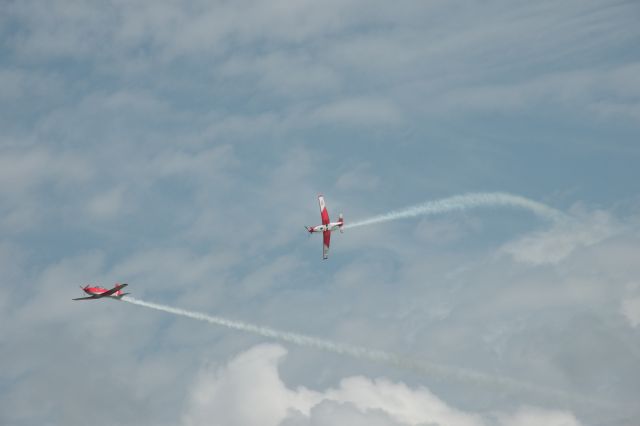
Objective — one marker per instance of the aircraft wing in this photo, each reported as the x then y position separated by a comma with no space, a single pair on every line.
85,298
324,214
113,290
326,239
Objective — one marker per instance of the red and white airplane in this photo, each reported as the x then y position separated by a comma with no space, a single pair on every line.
100,292
326,227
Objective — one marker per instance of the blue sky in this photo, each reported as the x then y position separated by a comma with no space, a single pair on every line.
180,147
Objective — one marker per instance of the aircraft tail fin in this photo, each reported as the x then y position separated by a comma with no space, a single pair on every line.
341,222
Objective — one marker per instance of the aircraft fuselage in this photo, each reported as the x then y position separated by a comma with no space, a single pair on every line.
333,226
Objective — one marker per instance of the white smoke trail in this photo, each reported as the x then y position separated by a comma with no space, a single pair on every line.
465,202
360,352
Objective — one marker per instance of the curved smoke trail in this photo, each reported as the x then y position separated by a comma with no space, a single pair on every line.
360,352
465,202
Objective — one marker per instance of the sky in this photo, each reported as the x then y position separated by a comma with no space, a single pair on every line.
180,147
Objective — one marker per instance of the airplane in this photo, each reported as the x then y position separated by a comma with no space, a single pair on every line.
100,292
326,227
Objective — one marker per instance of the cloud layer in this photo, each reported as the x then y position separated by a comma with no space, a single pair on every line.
179,147
249,391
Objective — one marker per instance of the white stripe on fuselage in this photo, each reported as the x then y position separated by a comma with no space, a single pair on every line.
331,227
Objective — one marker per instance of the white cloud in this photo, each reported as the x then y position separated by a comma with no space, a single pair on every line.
286,74
330,412
108,204
206,163
225,126
442,231
630,307
22,170
631,310
249,391
555,244
530,416
403,404
30,175
12,84
609,93
358,111
359,178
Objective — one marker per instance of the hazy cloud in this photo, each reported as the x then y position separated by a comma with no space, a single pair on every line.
551,246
